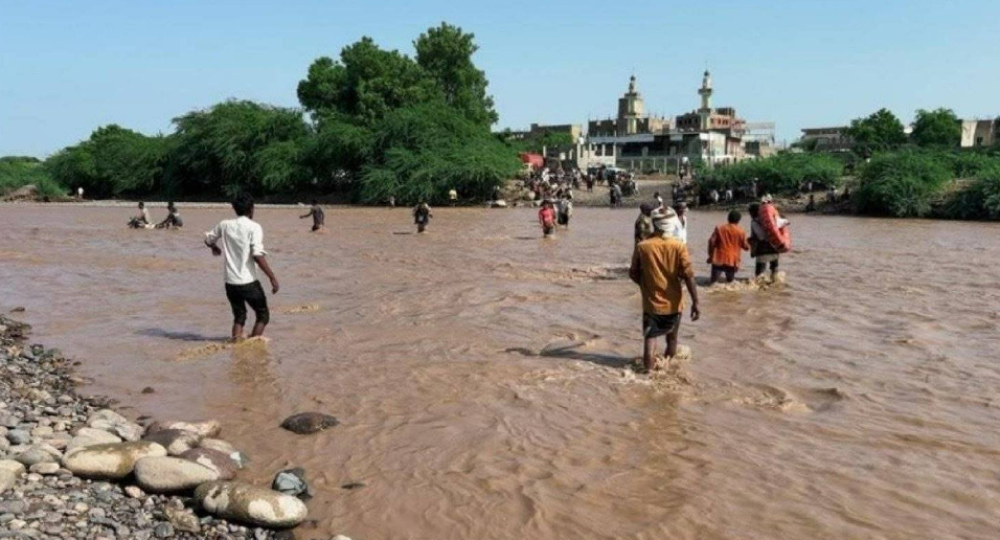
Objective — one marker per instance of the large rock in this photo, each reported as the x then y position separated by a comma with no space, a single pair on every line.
309,422
213,459
171,474
176,441
208,428
10,471
110,461
39,453
87,436
251,505
112,422
239,459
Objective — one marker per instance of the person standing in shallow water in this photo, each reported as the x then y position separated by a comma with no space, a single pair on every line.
319,217
547,218
726,247
422,216
643,223
242,252
659,265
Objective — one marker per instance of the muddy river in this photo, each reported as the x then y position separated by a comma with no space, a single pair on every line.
478,371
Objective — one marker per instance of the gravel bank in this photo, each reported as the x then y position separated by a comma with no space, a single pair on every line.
47,429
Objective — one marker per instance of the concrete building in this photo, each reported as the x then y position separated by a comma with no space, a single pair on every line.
980,133
826,139
631,119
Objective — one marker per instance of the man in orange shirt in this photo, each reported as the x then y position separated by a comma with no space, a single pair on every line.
726,247
659,265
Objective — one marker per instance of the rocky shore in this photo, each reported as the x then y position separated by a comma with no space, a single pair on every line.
73,468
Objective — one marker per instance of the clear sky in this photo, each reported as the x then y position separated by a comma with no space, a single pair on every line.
69,66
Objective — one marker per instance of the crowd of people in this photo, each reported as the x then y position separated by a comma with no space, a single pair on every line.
661,262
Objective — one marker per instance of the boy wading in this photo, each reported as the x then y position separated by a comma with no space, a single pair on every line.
242,251
659,265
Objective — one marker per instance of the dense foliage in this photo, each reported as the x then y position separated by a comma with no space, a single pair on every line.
17,172
781,174
980,199
901,184
880,130
113,162
940,127
380,124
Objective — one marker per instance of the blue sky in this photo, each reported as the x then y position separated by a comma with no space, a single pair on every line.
67,67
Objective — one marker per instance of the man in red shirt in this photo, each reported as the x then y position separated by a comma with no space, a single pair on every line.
726,247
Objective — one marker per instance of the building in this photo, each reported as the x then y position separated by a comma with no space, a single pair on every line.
980,133
631,119
711,135
825,139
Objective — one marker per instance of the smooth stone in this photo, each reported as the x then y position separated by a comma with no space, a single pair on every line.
251,505
171,474
134,492
19,436
163,530
37,454
10,471
309,422
213,459
239,459
176,441
108,416
129,432
209,428
111,461
47,468
89,437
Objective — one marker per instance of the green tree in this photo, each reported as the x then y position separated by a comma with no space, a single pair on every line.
114,161
421,152
880,130
445,52
239,146
365,84
940,127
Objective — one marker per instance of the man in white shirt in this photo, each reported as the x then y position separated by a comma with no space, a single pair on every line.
243,251
679,222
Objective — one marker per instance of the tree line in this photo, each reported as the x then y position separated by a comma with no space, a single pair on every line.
373,123
888,171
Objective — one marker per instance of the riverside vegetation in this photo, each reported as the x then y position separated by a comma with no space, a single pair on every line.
373,124
886,172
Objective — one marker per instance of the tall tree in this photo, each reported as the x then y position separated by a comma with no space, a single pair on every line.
113,161
940,127
880,130
365,84
446,53
239,146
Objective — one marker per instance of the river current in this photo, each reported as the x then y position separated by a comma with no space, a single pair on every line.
479,371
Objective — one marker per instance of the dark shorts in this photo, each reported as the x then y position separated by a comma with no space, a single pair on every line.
563,219
251,294
660,325
729,271
548,229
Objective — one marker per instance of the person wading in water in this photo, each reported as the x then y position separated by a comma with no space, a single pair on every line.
242,252
659,265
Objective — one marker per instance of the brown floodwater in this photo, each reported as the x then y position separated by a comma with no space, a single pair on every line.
478,371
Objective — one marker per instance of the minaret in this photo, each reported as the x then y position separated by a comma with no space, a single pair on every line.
630,110
706,100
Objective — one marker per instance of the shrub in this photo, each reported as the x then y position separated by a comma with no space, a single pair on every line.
900,184
17,172
784,173
979,200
